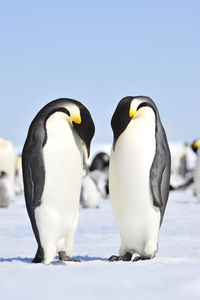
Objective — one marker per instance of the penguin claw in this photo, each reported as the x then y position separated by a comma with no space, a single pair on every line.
114,258
57,262
126,257
64,257
67,258
137,258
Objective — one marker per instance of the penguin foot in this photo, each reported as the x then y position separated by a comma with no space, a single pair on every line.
114,258
126,257
137,258
64,257
58,262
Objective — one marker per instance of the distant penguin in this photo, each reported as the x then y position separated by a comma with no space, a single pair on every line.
7,159
196,149
180,162
52,161
100,161
6,190
18,176
93,188
139,176
90,196
101,180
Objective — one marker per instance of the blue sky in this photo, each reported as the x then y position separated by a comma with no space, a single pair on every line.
98,52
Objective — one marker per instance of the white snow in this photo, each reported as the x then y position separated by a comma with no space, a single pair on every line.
173,274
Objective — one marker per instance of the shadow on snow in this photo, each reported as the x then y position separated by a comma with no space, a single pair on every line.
22,259
29,260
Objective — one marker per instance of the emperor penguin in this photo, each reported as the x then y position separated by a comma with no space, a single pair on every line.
100,161
52,162
18,176
180,162
89,197
6,190
7,160
93,189
196,149
139,176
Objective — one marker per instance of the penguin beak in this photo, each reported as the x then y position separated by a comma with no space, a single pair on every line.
86,131
77,119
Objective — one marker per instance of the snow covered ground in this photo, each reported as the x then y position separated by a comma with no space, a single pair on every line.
173,274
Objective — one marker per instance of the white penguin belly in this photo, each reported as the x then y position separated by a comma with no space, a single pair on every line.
137,219
57,215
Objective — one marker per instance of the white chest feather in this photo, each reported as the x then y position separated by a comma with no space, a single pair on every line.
136,217
58,213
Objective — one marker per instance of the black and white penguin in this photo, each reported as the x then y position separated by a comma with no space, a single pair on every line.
180,163
182,175
52,161
89,197
100,161
93,188
6,190
7,160
18,176
139,176
196,148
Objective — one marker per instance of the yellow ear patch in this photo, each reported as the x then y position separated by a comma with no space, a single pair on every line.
132,112
197,144
77,119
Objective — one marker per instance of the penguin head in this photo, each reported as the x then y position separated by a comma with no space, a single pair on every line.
130,108
106,158
74,112
140,107
5,144
3,174
196,145
78,117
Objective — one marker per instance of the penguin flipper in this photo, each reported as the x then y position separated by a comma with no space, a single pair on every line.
160,171
37,176
33,169
34,177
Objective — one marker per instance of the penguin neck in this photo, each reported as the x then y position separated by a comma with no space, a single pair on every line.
60,131
57,120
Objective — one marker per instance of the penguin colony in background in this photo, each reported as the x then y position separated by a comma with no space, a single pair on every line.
100,162
139,176
52,161
6,190
196,149
95,181
7,172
